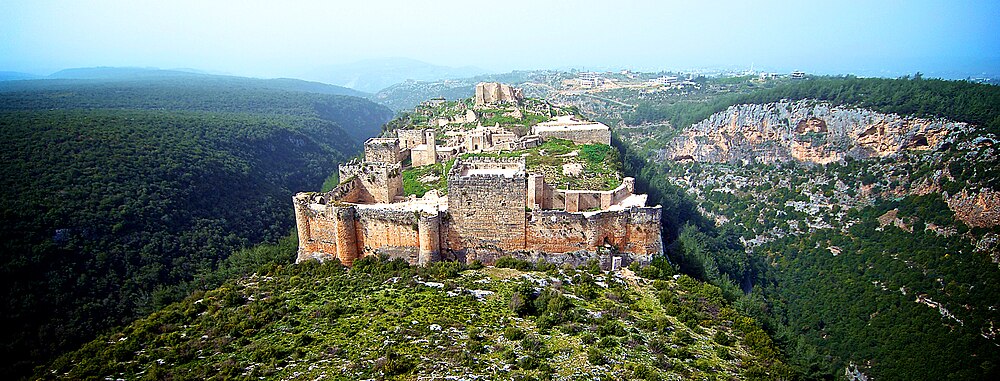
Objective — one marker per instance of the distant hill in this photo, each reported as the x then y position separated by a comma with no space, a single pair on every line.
108,72
15,76
119,196
132,74
374,75
199,92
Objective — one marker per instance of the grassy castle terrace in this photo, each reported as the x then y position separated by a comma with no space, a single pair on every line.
598,165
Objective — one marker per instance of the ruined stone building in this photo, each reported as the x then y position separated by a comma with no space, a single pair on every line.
493,208
494,93
569,128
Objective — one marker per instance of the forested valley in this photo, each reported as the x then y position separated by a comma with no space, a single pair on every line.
914,299
122,195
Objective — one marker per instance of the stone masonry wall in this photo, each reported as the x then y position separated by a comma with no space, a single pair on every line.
582,136
410,138
423,155
633,232
382,150
487,211
543,196
489,93
349,232
388,232
380,182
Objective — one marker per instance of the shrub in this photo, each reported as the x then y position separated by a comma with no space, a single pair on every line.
722,338
513,333
611,328
596,357
513,263
607,342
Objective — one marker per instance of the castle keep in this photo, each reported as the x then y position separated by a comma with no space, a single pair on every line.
493,208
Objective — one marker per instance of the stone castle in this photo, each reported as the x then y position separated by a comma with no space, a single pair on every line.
493,208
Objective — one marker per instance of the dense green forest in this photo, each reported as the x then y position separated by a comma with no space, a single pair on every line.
121,196
876,303
190,92
860,304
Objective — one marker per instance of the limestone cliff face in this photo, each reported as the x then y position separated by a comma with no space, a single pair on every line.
806,131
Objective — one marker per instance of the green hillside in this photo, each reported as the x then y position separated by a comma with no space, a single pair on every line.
801,248
120,197
387,320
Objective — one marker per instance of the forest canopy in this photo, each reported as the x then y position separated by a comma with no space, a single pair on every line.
118,197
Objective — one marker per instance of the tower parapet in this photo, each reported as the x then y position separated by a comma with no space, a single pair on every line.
382,150
379,182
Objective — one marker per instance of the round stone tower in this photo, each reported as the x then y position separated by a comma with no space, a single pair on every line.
429,237
347,240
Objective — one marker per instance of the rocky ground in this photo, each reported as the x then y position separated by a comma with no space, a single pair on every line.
322,322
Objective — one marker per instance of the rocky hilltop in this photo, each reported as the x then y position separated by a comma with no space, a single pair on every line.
807,131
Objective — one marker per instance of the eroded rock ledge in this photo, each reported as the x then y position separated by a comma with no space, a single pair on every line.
806,131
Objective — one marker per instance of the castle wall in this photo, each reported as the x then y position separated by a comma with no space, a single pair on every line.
429,238
350,232
632,233
388,232
543,196
350,191
423,154
487,211
411,138
382,150
380,182
345,233
488,93
325,231
578,136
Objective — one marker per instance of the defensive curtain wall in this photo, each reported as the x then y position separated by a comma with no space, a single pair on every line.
580,132
486,215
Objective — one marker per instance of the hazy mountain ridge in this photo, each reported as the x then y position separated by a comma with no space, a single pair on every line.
16,76
200,93
77,76
376,74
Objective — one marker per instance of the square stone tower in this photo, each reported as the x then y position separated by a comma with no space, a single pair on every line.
487,205
382,150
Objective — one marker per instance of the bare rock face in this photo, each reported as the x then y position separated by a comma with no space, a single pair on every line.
806,131
495,93
976,209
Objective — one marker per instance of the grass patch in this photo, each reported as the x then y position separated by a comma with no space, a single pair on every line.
601,164
413,179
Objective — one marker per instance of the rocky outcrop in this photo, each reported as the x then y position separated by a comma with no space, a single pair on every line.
976,209
806,131
495,93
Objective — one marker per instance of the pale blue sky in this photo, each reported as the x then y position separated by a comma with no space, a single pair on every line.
287,38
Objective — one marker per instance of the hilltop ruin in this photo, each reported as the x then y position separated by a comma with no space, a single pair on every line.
494,207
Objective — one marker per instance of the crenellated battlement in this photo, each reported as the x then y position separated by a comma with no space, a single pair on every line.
376,182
